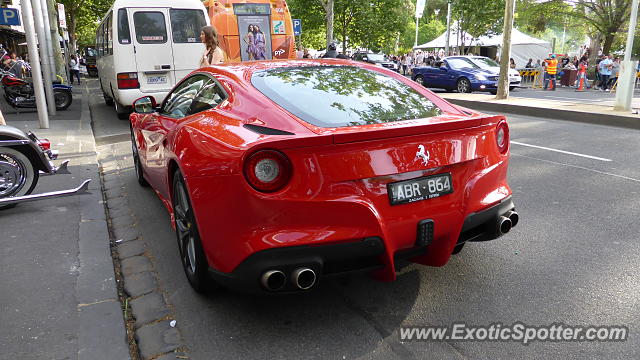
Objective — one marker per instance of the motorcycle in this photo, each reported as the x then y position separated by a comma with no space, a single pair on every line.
20,94
23,159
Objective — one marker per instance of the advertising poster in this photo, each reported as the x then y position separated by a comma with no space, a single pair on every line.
255,37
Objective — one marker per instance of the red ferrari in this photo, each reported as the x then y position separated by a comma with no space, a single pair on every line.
277,174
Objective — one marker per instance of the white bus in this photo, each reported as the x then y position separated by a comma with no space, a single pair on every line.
145,47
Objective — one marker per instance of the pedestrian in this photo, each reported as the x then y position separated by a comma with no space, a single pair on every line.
598,82
332,51
582,72
306,54
551,69
213,54
615,72
420,59
605,72
403,60
512,63
74,67
529,64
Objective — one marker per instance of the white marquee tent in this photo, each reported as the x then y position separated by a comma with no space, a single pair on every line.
523,46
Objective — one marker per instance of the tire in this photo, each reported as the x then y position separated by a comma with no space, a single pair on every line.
493,92
463,85
137,166
194,262
457,249
511,88
63,98
19,175
121,111
420,80
108,100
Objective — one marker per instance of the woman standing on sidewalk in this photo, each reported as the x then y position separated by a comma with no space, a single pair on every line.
74,66
213,54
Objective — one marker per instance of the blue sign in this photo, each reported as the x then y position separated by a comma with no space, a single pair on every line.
297,27
9,17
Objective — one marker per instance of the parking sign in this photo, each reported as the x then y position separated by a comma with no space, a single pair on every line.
297,27
9,17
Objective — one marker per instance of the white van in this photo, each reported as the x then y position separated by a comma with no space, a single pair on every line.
145,47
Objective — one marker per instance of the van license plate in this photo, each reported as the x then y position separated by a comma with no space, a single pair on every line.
423,188
157,79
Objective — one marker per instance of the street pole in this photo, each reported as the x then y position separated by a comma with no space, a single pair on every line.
446,48
503,82
34,57
415,43
46,64
626,81
47,35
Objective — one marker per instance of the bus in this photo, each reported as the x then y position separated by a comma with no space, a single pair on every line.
253,29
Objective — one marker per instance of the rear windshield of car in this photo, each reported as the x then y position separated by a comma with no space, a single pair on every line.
150,27
186,25
339,96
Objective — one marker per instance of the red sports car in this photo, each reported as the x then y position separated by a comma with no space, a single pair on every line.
279,173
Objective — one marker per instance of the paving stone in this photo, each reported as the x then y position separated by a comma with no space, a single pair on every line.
130,248
155,339
116,203
139,284
126,232
148,308
173,356
114,193
135,264
119,212
122,222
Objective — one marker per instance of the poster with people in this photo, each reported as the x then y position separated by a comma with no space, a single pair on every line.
255,38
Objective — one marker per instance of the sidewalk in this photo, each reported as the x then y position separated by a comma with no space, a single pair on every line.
601,113
59,297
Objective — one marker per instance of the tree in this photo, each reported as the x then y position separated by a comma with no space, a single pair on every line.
327,5
607,17
82,14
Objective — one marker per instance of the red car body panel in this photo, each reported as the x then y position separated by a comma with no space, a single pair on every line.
338,190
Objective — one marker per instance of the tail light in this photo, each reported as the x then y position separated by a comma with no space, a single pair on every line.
502,136
267,170
128,81
44,144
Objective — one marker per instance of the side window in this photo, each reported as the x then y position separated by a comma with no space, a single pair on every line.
179,101
109,31
124,34
100,36
186,25
150,27
209,97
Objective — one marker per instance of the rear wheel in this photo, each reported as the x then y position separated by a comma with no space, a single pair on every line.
18,175
463,85
108,100
63,98
192,255
121,111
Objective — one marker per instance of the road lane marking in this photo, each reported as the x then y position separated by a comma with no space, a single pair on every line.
562,151
579,167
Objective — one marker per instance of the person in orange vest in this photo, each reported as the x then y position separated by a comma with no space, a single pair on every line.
582,74
551,69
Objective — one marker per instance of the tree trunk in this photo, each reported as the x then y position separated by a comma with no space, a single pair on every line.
328,8
608,42
72,36
503,82
55,36
595,45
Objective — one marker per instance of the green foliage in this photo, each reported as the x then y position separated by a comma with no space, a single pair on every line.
479,17
429,28
83,16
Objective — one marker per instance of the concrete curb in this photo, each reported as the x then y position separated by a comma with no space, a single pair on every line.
101,332
628,122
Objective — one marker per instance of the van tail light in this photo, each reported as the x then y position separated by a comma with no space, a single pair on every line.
502,136
128,81
267,170
44,144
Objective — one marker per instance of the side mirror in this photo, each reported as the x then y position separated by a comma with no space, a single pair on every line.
145,105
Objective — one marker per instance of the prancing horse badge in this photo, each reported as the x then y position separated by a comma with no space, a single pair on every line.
422,154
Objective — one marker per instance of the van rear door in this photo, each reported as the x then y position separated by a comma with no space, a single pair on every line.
153,49
186,25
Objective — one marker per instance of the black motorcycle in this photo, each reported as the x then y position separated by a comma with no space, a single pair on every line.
19,93
23,159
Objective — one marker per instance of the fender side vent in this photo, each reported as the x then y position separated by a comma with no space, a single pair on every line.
266,130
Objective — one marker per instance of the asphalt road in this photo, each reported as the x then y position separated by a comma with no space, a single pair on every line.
573,259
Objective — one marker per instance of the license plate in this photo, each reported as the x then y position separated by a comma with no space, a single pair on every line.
162,79
423,188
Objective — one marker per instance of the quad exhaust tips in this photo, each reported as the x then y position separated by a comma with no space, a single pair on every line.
273,280
514,217
303,278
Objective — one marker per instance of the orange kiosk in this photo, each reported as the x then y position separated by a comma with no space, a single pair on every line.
253,29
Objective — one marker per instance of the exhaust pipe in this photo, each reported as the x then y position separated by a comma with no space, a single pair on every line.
503,225
303,278
514,217
273,280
